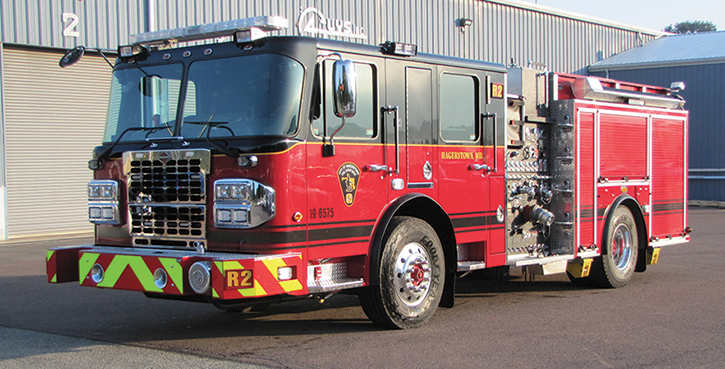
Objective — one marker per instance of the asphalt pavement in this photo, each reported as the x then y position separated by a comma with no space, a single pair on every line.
671,316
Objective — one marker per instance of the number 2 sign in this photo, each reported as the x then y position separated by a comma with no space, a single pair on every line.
70,28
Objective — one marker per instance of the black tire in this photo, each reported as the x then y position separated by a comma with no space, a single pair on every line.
620,246
411,275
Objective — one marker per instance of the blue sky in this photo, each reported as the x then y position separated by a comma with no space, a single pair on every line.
650,14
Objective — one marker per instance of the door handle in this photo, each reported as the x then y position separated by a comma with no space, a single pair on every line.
376,168
396,122
495,139
480,167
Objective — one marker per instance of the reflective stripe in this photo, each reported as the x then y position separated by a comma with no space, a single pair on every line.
50,267
175,272
139,267
85,265
273,265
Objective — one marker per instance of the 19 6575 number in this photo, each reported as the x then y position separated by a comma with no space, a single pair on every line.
322,213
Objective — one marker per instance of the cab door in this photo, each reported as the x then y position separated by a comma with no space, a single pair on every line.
346,189
463,164
494,130
410,119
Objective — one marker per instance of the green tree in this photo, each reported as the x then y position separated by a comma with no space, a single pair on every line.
691,27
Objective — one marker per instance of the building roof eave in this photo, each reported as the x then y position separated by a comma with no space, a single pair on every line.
656,64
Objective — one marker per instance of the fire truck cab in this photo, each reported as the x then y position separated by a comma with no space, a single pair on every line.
268,168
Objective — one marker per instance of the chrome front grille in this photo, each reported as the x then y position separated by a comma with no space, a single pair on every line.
170,181
167,221
167,196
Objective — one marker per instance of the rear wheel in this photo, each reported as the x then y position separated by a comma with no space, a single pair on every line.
411,276
620,247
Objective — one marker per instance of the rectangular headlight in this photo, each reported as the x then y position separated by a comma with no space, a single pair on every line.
242,203
224,215
102,190
229,190
94,212
103,202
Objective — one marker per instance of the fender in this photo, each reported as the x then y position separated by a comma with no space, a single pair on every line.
633,206
423,207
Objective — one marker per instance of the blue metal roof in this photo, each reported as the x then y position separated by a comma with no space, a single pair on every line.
683,49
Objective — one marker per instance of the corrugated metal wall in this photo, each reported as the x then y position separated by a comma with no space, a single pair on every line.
53,120
704,83
500,30
101,23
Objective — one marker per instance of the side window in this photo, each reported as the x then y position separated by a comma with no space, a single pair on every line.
458,108
364,124
420,106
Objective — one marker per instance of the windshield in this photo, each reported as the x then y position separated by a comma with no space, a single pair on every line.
231,97
143,97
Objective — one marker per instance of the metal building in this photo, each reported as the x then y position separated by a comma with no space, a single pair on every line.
51,118
698,60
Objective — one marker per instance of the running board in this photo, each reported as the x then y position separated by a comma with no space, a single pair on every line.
330,277
330,285
467,266
543,266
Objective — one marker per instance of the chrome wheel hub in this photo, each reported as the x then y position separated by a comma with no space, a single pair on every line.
621,246
412,274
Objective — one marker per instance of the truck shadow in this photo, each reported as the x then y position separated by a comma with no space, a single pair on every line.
127,317
486,285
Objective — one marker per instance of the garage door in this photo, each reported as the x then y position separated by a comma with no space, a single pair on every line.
53,119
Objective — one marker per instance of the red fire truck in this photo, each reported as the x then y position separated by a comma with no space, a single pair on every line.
262,169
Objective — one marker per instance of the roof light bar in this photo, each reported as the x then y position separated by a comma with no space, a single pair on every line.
399,48
248,35
211,30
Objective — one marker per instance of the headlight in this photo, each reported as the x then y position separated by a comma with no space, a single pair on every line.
242,203
102,190
103,202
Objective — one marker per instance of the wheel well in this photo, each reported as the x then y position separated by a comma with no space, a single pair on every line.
425,208
634,207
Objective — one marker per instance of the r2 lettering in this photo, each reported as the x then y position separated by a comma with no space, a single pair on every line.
239,278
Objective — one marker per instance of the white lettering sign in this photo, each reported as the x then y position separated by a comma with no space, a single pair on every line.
70,29
311,17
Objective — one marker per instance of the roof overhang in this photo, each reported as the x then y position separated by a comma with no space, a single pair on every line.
657,64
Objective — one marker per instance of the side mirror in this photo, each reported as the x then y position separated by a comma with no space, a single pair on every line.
72,57
343,78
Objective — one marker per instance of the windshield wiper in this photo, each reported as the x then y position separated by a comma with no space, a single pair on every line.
208,125
97,163
155,141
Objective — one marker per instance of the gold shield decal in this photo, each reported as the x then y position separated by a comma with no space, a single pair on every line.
349,176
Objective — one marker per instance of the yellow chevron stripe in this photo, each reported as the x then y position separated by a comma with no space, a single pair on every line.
139,267
257,290
231,265
274,264
291,285
85,265
287,286
175,272
50,255
54,279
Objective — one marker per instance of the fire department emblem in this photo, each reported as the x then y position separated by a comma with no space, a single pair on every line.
349,176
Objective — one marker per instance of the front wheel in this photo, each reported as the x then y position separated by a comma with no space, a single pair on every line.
411,276
620,247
